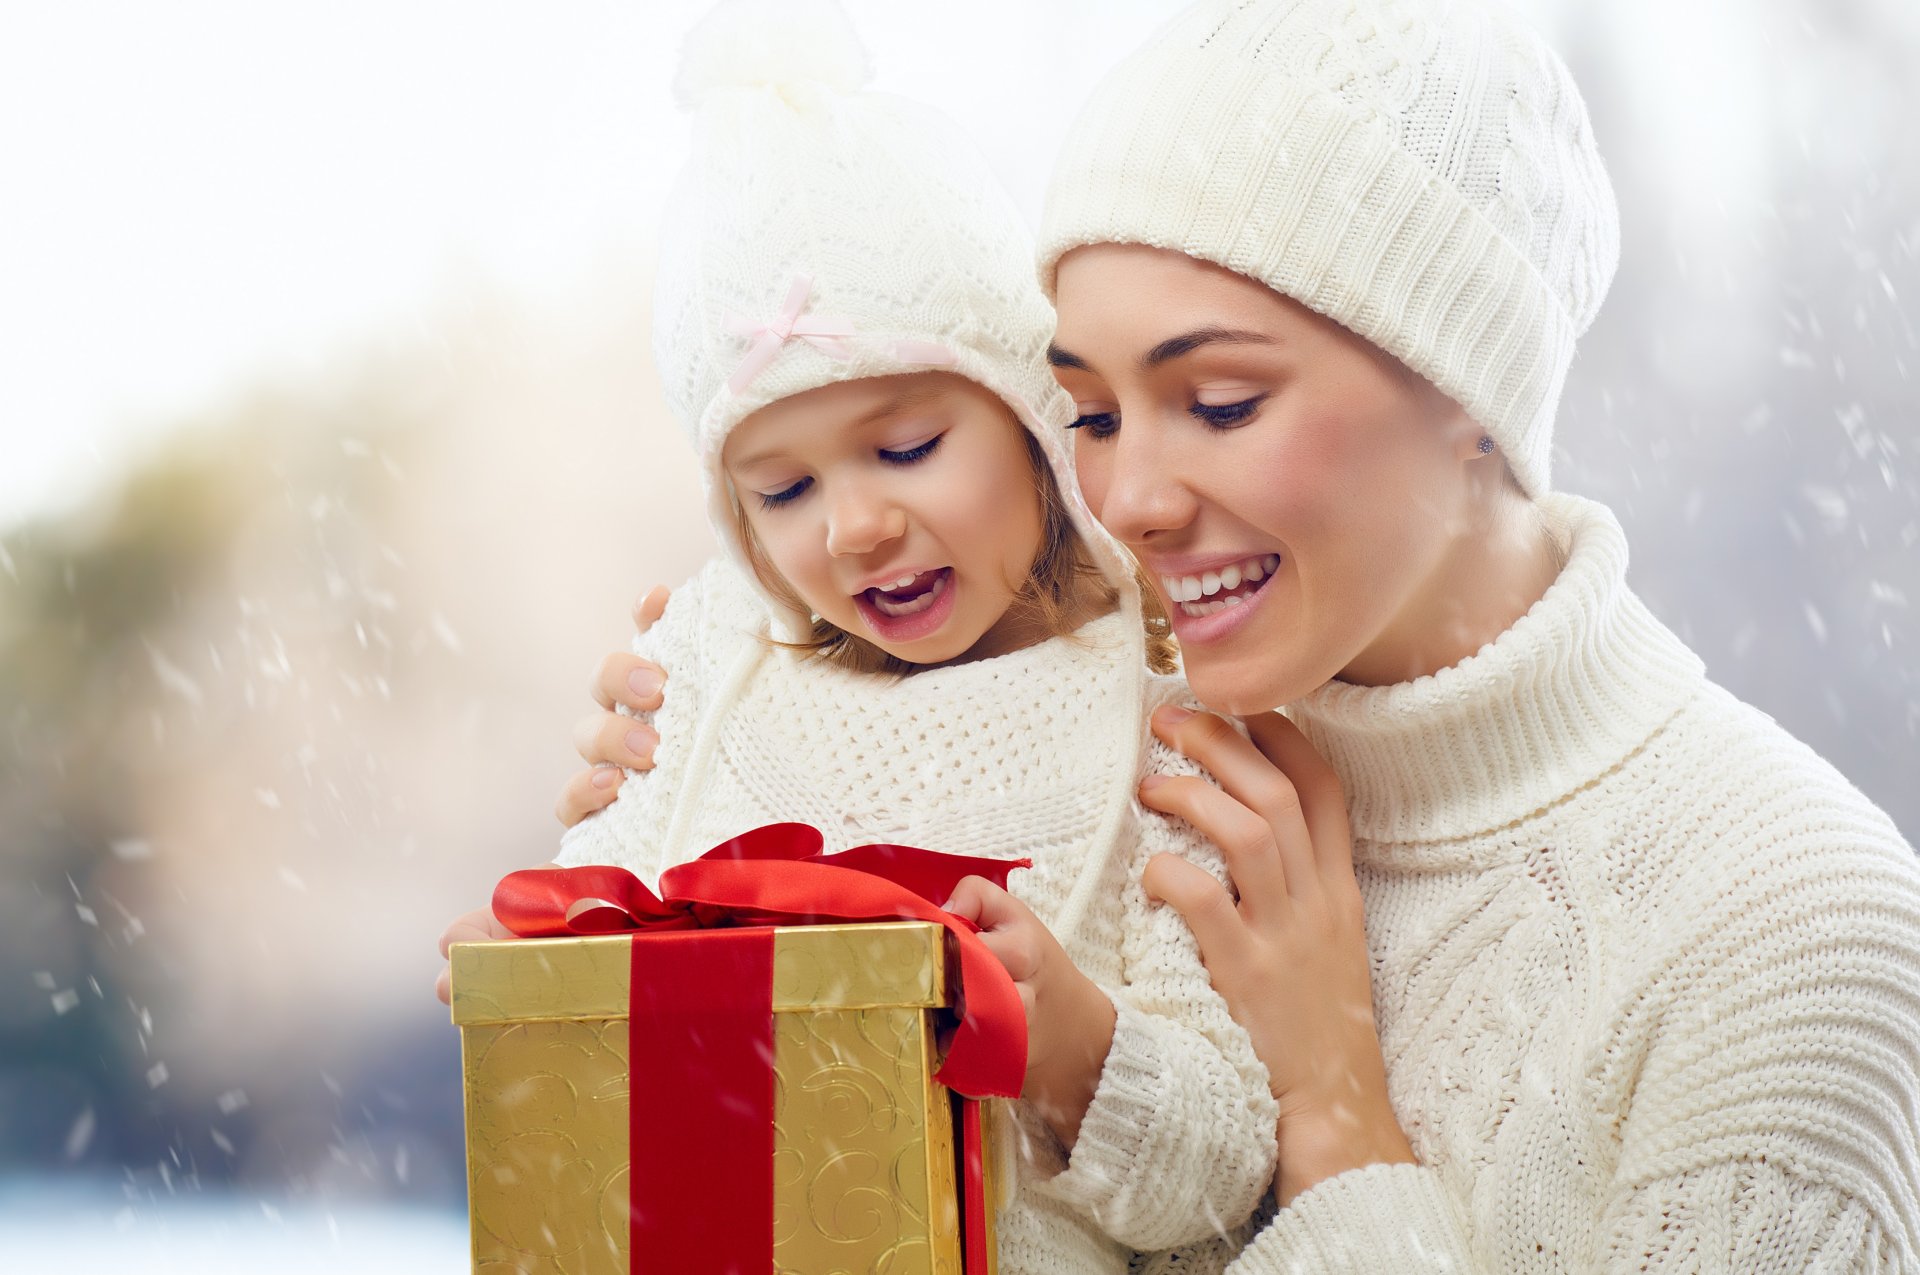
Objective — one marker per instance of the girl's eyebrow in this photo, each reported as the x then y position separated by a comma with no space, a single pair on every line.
1171,348
900,403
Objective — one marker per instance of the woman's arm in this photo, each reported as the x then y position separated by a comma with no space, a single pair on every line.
1177,1145
1290,956
1773,1123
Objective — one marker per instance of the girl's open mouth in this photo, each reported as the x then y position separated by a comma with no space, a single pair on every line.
909,608
910,595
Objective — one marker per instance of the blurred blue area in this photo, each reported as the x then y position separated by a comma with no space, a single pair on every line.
79,1226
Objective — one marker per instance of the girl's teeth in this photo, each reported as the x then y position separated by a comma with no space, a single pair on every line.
888,607
902,582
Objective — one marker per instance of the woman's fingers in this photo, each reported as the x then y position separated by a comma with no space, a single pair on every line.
648,607
604,739
1251,780
627,680
1245,839
587,791
1203,903
1323,802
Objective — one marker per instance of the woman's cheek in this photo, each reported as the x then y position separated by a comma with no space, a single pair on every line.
1091,467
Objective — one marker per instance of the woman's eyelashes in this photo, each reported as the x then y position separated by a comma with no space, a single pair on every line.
1098,424
1213,415
1227,415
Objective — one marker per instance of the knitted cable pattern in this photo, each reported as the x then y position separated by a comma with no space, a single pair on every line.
1036,753
1646,969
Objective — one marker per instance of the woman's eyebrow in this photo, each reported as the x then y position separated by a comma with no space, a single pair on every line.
1171,348
1187,342
1058,357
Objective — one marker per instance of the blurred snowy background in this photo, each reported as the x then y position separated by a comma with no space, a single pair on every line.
330,459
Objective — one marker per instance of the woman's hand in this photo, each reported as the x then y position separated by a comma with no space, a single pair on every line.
1290,957
1069,1019
608,741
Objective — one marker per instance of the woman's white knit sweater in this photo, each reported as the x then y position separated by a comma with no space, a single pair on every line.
1037,753
1647,970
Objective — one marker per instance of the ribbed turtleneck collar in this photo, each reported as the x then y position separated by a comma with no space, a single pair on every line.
1567,693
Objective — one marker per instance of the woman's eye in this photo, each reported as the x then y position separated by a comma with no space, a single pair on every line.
1227,415
911,454
786,495
1097,424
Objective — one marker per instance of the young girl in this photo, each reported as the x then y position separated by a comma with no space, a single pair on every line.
921,635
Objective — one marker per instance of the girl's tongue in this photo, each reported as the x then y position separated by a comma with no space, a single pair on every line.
916,594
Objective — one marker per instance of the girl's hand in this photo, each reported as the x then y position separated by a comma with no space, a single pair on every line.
1069,1019
1290,957
476,926
607,740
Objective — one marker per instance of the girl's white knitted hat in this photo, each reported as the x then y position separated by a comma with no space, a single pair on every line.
1421,171
822,233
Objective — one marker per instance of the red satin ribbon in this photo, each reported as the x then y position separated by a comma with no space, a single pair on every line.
702,1161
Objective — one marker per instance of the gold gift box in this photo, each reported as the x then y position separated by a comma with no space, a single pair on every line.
865,1162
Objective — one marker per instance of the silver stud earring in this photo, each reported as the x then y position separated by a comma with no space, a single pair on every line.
1486,445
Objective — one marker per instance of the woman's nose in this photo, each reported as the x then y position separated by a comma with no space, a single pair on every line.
1145,489
860,522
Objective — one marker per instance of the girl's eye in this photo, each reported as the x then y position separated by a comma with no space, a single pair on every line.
1227,415
1098,424
786,495
911,454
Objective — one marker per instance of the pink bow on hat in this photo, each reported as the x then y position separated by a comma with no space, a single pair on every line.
825,333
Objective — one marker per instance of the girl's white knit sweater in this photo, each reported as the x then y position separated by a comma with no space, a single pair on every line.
1647,970
1035,754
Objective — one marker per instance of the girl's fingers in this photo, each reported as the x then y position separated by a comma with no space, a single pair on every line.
1323,802
1246,840
587,791
649,607
1203,903
1006,925
628,681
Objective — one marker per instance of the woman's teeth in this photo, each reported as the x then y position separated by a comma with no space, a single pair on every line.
1211,592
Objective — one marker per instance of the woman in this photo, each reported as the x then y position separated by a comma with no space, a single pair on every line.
1638,986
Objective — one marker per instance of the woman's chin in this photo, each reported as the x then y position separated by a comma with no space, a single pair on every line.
1245,687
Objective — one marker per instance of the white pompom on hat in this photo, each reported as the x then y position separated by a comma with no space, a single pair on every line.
1421,171
825,233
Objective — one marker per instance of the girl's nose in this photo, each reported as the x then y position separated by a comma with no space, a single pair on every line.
860,522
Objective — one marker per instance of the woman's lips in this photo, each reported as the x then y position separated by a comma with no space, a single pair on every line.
909,609
1211,605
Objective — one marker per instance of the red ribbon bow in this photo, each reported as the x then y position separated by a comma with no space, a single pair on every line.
702,1157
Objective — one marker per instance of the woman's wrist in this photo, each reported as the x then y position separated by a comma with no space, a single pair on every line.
1327,1139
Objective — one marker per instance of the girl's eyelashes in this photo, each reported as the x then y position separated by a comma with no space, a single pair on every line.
911,454
786,495
1097,424
1227,415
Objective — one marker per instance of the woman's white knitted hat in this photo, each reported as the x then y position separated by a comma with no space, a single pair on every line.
822,233
1421,171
